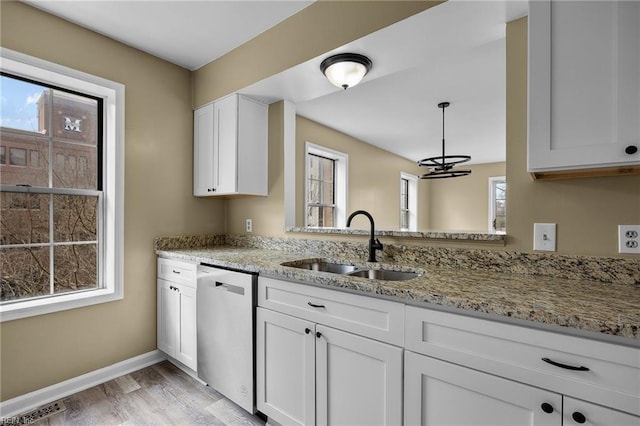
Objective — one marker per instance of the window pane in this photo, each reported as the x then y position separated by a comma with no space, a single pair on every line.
75,118
15,145
18,157
313,193
320,216
314,167
23,105
24,218
75,218
404,219
25,272
327,193
76,268
65,168
3,153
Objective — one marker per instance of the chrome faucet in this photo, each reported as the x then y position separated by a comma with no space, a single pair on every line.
374,243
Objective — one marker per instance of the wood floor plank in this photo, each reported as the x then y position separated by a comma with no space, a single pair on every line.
159,395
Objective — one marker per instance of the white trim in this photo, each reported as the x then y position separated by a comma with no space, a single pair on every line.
23,403
341,180
289,136
492,201
111,230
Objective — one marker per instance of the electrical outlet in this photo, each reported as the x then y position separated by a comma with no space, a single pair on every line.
248,224
544,236
628,238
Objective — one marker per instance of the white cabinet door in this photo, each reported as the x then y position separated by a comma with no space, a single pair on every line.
225,143
203,158
285,368
584,85
441,393
578,412
358,380
186,340
168,317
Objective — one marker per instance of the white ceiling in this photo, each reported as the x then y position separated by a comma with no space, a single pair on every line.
452,52
187,33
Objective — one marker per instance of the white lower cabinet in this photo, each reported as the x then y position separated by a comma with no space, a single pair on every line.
577,412
441,393
308,373
177,311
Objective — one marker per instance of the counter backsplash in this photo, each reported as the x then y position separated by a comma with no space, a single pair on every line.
603,269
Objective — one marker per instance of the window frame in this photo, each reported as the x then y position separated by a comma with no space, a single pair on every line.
340,181
111,200
492,203
412,194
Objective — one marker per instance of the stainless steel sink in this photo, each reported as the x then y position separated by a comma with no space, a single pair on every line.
351,270
384,274
322,266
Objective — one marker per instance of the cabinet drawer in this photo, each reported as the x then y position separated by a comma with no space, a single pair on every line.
516,352
177,271
366,316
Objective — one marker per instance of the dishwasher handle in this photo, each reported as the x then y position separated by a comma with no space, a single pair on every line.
231,288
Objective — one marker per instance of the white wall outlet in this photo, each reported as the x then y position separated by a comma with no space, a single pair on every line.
248,225
544,236
628,238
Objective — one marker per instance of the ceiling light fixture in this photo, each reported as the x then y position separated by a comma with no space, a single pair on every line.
345,69
442,166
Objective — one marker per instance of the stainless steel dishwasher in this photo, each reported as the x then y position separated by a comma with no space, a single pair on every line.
225,316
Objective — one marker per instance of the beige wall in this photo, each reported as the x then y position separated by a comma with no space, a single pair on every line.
462,204
44,350
586,211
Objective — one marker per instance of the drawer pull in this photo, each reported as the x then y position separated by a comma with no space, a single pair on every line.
578,417
547,408
565,366
313,305
176,272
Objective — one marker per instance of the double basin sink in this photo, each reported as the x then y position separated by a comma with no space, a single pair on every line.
353,271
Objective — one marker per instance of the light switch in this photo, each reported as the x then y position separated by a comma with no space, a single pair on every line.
544,236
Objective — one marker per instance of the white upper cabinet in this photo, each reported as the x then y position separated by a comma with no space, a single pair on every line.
230,147
584,88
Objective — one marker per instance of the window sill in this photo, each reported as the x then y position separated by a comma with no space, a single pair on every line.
63,302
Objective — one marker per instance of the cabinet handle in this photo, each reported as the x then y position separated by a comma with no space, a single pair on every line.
565,366
307,330
578,417
176,272
631,149
318,334
313,305
547,408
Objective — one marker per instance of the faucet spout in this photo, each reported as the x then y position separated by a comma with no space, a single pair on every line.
374,243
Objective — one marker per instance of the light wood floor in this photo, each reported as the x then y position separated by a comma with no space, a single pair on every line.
158,395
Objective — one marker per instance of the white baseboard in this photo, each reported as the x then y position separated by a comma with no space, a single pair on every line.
24,403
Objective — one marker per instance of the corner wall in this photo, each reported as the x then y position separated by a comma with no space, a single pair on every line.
40,351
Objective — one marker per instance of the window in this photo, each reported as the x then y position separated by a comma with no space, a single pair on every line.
408,202
18,157
61,233
3,153
497,205
326,187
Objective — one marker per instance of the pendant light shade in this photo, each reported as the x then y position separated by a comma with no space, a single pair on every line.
443,166
345,69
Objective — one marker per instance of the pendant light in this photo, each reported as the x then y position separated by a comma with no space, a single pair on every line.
345,69
442,166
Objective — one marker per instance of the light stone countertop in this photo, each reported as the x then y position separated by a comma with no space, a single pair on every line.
607,311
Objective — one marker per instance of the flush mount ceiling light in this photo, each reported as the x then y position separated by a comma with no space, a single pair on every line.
345,69
442,166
